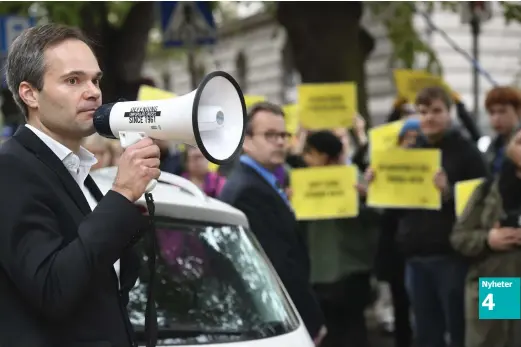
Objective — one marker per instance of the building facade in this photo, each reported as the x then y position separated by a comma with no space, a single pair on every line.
253,51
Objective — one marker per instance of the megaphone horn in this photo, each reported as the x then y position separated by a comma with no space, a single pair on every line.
212,118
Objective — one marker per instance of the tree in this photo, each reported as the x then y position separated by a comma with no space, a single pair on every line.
120,31
332,52
329,45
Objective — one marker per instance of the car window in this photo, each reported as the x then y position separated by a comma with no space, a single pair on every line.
214,285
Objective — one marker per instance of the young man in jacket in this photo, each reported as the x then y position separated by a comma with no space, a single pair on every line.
436,272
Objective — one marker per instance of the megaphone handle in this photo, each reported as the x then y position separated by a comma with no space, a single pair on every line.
127,139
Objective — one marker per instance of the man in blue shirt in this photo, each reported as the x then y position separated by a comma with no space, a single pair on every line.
253,188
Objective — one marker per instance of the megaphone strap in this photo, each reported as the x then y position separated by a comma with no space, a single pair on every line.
151,251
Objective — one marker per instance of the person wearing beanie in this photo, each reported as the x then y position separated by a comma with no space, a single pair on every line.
390,263
409,132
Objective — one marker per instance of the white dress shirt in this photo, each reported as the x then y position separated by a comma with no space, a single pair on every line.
78,165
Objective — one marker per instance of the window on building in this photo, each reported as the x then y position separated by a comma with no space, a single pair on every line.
241,66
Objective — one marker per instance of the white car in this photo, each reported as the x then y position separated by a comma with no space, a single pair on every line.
215,284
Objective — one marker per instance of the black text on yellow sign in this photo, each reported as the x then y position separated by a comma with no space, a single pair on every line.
404,178
410,82
327,105
324,192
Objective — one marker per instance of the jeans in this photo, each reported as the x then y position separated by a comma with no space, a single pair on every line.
437,298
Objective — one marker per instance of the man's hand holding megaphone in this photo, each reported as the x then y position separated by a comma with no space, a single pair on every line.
212,117
138,166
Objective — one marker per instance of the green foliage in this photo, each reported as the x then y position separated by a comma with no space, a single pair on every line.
511,11
398,19
65,12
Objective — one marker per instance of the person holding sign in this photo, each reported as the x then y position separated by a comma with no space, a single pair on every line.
341,249
390,265
436,274
489,235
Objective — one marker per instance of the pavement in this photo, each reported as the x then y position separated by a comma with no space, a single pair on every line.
377,338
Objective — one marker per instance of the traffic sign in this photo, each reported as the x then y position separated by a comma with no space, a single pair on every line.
11,27
187,23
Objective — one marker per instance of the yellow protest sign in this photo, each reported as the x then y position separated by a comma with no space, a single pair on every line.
410,82
463,190
404,178
151,93
385,136
213,167
291,117
327,105
324,192
251,100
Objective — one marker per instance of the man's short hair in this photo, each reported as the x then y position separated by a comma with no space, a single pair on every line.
26,61
324,141
426,96
504,95
259,107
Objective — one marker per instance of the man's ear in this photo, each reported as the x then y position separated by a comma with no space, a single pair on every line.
247,143
28,94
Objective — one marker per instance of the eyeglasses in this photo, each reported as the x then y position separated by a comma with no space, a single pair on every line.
272,136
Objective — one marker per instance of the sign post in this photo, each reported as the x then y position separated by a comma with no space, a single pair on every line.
10,27
475,13
188,24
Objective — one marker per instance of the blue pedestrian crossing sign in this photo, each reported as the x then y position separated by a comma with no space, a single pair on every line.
11,27
187,23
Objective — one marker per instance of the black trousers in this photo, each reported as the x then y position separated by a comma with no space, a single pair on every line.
344,304
401,307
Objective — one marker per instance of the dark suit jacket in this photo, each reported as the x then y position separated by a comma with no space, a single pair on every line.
276,228
58,286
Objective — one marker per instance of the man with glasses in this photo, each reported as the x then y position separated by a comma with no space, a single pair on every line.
254,189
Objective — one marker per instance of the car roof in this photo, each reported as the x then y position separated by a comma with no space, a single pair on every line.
178,198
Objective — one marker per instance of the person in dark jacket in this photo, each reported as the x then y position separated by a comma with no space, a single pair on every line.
437,273
402,110
390,265
253,188
503,105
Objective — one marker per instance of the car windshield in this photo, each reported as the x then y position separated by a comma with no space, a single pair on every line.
214,285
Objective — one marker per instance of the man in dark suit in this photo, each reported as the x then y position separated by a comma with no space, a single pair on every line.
253,188
61,251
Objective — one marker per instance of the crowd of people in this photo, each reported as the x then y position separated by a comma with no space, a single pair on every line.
431,259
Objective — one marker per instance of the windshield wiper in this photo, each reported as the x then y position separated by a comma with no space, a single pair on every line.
266,329
185,331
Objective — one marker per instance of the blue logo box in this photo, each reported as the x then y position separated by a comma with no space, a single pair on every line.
499,298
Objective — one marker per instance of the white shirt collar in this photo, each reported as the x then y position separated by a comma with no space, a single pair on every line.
72,161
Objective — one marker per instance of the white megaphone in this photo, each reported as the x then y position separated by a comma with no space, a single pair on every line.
212,118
